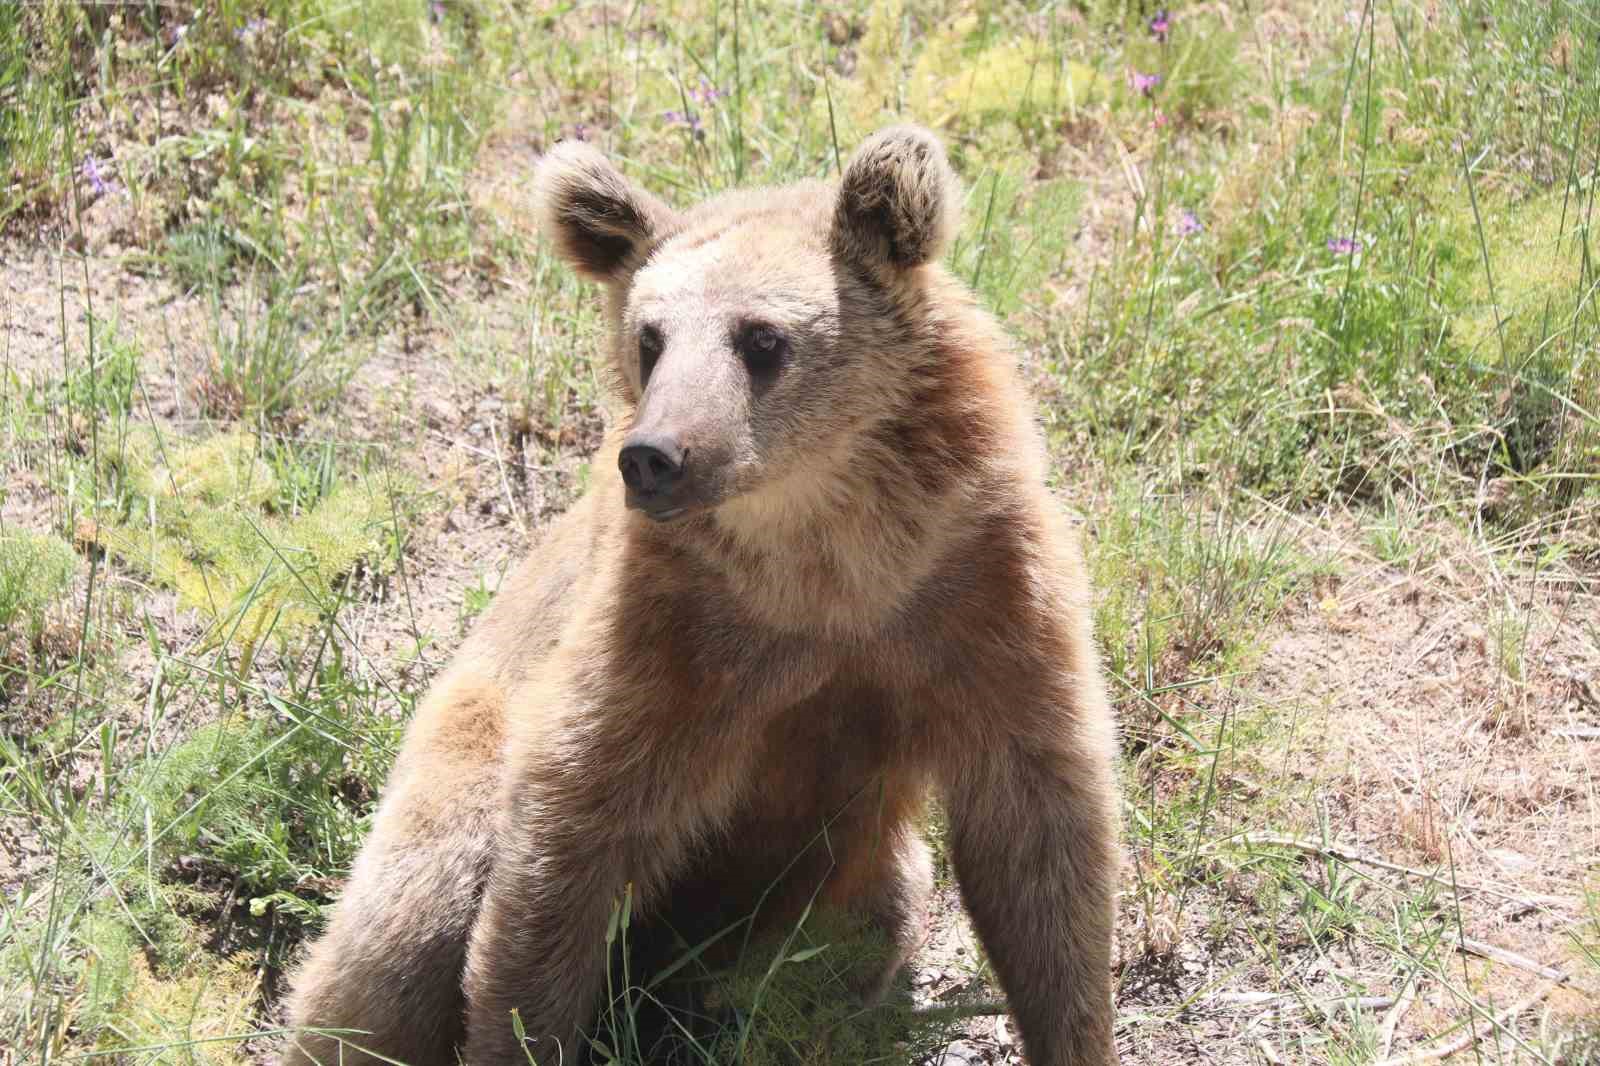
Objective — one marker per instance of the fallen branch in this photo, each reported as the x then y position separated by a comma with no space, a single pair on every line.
1408,996
1351,856
1276,999
1473,1032
1495,953
956,1012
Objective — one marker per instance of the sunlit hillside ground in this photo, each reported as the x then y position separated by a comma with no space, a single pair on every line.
1308,295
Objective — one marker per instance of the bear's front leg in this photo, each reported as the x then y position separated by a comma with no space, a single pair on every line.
539,943
605,798
1033,825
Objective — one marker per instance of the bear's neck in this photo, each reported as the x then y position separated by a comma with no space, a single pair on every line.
836,552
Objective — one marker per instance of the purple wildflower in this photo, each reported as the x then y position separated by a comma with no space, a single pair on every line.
1344,245
177,33
580,131
706,93
1145,84
1190,225
250,29
683,118
436,11
1160,25
99,183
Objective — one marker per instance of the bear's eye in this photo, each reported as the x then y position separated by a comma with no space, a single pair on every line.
650,345
762,348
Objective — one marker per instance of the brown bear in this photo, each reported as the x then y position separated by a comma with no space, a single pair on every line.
827,581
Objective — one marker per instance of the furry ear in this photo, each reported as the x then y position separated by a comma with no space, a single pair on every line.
601,223
899,202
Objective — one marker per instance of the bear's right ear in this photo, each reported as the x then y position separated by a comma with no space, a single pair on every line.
601,223
899,202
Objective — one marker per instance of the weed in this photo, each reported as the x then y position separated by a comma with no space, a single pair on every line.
35,570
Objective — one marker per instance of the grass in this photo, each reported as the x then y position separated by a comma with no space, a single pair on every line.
1312,318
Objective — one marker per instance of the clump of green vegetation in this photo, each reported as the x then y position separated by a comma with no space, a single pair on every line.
203,518
1185,586
204,866
105,386
35,570
793,999
1016,233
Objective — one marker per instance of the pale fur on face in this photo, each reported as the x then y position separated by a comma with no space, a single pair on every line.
848,274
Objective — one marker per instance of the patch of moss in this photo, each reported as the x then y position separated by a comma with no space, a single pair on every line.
201,521
1532,326
35,569
199,1016
958,80
966,77
1536,255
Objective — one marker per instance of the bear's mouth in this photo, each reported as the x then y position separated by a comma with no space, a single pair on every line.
663,514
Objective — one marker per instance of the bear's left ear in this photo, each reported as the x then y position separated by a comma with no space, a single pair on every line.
601,223
899,202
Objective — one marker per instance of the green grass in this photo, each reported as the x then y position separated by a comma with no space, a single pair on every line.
1315,316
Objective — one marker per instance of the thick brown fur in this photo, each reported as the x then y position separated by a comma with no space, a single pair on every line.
869,595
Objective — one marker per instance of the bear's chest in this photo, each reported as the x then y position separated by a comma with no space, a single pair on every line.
819,754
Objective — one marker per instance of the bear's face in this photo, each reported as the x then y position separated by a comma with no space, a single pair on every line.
757,333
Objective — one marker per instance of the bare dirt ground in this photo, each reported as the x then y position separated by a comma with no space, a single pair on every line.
1410,759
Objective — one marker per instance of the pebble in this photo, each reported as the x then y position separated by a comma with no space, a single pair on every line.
959,1053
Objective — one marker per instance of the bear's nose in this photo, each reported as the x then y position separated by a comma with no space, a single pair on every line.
651,466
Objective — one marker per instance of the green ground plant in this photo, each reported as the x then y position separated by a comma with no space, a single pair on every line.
35,570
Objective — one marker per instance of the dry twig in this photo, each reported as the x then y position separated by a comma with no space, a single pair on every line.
1472,1033
1289,999
1391,1019
1350,856
1495,953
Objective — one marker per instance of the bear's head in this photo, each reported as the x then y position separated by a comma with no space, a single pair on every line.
759,335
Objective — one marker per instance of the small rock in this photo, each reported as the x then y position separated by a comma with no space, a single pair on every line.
435,413
1511,861
837,27
959,1053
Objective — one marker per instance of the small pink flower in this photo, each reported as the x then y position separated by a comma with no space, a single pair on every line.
1144,84
1160,25
1159,121
1344,245
1189,225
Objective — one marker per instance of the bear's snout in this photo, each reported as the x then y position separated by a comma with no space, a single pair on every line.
652,467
